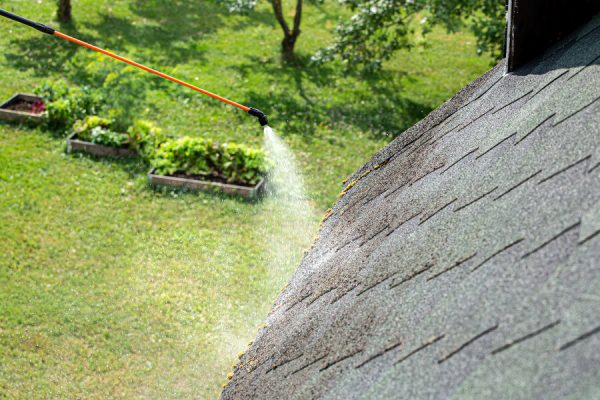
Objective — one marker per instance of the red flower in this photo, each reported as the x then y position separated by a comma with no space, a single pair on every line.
38,107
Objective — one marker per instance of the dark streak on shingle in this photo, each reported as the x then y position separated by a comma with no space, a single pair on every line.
308,365
377,355
589,33
403,222
523,338
468,342
475,200
471,122
321,295
569,228
349,242
587,239
581,70
536,127
518,184
422,347
274,367
481,95
587,158
429,172
435,139
395,190
376,283
370,199
336,299
437,211
496,145
580,338
297,302
373,235
512,102
459,160
549,83
412,275
331,364
508,246
576,112
456,264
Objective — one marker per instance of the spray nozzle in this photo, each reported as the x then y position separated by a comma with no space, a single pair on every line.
262,118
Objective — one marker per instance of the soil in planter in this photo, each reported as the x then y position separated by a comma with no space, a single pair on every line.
210,178
33,107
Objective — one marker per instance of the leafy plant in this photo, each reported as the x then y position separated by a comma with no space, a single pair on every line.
126,86
234,163
65,104
98,130
107,137
379,28
52,90
145,138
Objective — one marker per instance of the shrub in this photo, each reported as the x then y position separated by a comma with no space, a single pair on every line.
145,138
231,162
98,130
64,105
126,86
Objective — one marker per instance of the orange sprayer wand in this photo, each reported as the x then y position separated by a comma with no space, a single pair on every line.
262,118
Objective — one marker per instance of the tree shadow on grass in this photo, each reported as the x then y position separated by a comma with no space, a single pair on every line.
134,167
43,54
175,30
386,111
170,35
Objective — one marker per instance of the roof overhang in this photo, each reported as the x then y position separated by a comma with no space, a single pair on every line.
534,25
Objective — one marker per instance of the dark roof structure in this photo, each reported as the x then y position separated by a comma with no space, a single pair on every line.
534,25
463,260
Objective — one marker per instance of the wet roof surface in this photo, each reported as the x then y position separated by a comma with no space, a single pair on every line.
463,260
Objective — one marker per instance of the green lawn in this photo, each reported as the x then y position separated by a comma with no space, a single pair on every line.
111,290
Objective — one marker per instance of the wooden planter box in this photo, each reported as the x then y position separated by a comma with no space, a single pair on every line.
75,145
20,116
195,184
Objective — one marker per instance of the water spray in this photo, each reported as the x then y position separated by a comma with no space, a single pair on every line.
262,118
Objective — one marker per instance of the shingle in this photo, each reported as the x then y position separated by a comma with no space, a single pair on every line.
466,263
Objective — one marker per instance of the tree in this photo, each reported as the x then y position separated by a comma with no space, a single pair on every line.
378,28
64,10
290,36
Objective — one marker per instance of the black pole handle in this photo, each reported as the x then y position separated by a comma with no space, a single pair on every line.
35,25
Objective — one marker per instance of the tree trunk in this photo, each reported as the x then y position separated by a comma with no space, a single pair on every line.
289,35
64,10
287,48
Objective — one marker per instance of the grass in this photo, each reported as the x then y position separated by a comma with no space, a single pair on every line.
111,290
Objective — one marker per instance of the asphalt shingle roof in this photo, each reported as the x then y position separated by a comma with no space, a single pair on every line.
463,261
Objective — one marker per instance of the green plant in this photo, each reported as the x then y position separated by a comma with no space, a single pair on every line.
126,86
52,90
145,138
379,28
107,137
66,104
234,163
98,130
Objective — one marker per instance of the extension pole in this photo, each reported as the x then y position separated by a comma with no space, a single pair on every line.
262,118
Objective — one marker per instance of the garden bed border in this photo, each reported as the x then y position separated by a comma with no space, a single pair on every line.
12,115
196,184
75,145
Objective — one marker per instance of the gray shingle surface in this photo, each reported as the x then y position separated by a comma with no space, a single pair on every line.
464,261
